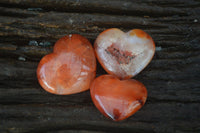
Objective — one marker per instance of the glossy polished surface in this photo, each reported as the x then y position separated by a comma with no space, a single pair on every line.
70,68
124,54
117,99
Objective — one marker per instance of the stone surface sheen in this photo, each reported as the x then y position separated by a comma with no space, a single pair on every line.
124,54
70,68
117,99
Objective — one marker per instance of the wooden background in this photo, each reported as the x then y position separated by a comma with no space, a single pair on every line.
29,29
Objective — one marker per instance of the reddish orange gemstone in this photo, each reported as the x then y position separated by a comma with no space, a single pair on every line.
124,54
70,68
117,99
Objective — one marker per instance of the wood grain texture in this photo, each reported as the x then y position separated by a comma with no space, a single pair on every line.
29,29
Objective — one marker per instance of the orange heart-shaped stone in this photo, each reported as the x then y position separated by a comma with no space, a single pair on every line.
117,99
70,68
124,54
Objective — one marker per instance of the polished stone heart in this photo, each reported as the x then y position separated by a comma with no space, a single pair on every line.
124,54
70,68
117,99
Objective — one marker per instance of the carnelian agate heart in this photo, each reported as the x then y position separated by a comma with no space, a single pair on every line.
117,99
70,68
124,54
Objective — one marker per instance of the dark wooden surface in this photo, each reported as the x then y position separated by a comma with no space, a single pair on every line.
28,30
